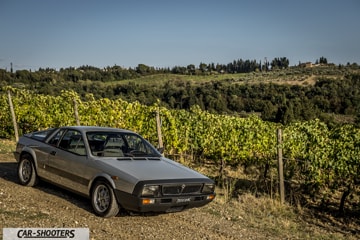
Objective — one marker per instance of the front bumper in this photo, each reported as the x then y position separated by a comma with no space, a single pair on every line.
16,156
162,204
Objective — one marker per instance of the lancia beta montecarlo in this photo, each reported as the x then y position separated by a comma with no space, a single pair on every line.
114,168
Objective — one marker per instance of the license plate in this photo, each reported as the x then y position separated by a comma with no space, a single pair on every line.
183,200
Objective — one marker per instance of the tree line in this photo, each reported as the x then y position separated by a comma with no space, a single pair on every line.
273,102
116,73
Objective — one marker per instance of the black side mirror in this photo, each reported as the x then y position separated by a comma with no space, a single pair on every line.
161,150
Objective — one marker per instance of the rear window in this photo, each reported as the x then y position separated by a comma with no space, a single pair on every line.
40,135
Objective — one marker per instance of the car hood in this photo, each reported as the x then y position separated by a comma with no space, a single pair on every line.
152,168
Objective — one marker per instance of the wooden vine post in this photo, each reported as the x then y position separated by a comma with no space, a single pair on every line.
76,112
13,117
158,128
280,166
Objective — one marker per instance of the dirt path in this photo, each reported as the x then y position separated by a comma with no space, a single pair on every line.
51,207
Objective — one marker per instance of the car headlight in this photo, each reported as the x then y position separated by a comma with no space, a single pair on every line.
208,188
151,190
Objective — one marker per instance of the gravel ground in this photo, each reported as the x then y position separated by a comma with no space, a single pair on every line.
46,206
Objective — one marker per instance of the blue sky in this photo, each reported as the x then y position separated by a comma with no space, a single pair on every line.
166,33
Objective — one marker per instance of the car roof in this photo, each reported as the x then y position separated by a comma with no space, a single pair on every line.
96,128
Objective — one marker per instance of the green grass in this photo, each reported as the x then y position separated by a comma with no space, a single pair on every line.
300,76
161,79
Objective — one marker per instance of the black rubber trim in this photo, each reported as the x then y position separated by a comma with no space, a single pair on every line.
162,204
139,186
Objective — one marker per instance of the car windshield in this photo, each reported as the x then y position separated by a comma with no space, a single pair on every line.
120,144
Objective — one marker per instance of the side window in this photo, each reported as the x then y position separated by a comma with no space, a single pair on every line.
73,142
55,139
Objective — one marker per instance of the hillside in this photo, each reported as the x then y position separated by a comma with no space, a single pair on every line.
327,92
247,193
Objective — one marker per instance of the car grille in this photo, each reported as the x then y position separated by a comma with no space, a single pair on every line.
182,189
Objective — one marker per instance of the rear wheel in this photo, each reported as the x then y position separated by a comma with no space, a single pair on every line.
103,200
26,171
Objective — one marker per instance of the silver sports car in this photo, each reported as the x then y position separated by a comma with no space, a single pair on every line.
113,167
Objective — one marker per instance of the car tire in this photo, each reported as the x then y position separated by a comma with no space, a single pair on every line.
103,200
26,171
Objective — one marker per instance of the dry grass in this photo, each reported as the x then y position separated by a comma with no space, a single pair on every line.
6,146
256,204
280,221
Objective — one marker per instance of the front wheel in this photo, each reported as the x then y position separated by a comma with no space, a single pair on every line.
26,171
103,200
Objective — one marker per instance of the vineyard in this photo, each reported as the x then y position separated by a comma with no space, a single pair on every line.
319,161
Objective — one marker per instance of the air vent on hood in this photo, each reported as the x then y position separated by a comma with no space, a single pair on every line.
138,158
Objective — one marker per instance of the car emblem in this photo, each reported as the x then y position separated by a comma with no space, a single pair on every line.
182,187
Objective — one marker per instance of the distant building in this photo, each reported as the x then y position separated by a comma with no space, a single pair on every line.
306,65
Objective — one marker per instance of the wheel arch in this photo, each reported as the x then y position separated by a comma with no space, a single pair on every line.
112,207
101,177
29,151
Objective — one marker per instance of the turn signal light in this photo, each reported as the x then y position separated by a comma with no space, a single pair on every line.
147,201
210,197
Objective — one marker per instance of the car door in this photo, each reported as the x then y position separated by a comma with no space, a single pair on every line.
42,152
69,163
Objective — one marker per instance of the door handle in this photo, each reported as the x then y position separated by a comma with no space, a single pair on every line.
53,153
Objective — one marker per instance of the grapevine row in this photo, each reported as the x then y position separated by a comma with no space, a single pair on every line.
323,158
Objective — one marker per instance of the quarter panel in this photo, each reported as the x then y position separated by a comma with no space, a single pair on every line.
39,152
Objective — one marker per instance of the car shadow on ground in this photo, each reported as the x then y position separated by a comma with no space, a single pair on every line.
8,172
